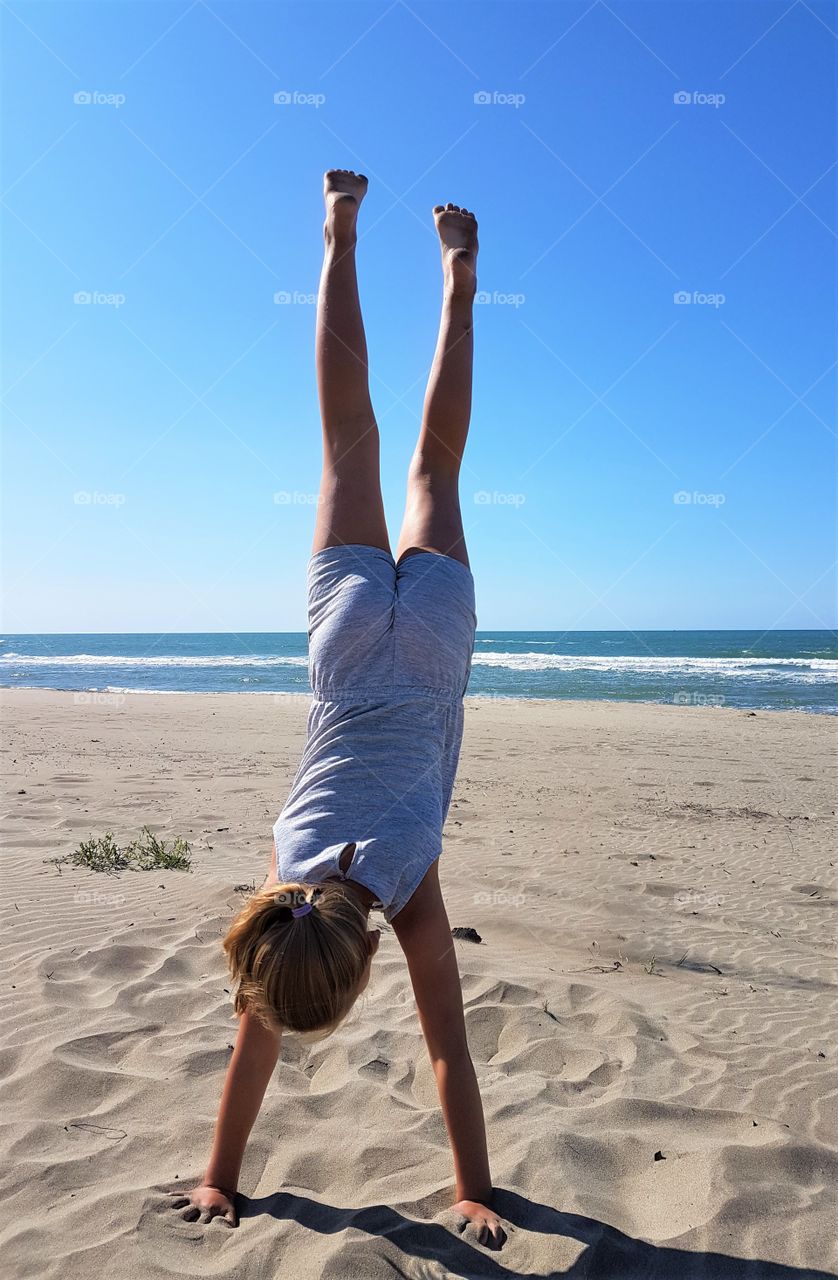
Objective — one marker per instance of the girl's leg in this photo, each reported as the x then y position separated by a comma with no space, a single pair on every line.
432,520
350,506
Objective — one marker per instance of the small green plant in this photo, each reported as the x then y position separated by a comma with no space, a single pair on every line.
100,853
146,853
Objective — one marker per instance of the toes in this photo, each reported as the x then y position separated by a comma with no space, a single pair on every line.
346,173
453,208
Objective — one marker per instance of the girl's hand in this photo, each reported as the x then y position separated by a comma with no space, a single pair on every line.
486,1223
205,1203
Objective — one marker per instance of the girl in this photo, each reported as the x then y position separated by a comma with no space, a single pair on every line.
390,651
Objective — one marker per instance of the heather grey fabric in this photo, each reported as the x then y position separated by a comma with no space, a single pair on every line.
389,657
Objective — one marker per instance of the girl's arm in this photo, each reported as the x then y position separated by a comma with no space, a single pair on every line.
251,1066
250,1069
424,932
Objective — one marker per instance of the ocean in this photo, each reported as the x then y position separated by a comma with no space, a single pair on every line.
774,670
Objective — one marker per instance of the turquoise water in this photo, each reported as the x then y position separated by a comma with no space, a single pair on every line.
776,670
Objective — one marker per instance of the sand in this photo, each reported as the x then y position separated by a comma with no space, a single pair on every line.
651,1010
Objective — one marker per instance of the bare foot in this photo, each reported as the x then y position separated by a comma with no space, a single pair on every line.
457,230
343,192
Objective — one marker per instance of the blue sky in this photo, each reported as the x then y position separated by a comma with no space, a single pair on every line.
149,430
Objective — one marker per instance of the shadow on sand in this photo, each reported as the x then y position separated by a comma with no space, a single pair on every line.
608,1254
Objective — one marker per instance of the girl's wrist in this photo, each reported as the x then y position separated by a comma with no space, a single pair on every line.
480,1195
221,1180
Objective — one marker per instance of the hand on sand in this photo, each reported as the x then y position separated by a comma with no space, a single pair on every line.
205,1204
484,1223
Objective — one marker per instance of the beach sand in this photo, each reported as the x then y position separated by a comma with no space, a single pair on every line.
651,1010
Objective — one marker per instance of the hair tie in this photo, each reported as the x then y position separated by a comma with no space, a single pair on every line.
296,912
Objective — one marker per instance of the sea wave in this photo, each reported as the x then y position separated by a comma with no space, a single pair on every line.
808,668
822,669
123,660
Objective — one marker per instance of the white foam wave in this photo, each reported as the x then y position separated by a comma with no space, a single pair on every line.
806,670
120,660
811,669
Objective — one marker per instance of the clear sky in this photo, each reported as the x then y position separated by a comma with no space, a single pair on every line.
150,429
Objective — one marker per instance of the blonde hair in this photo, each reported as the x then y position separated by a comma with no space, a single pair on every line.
298,973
